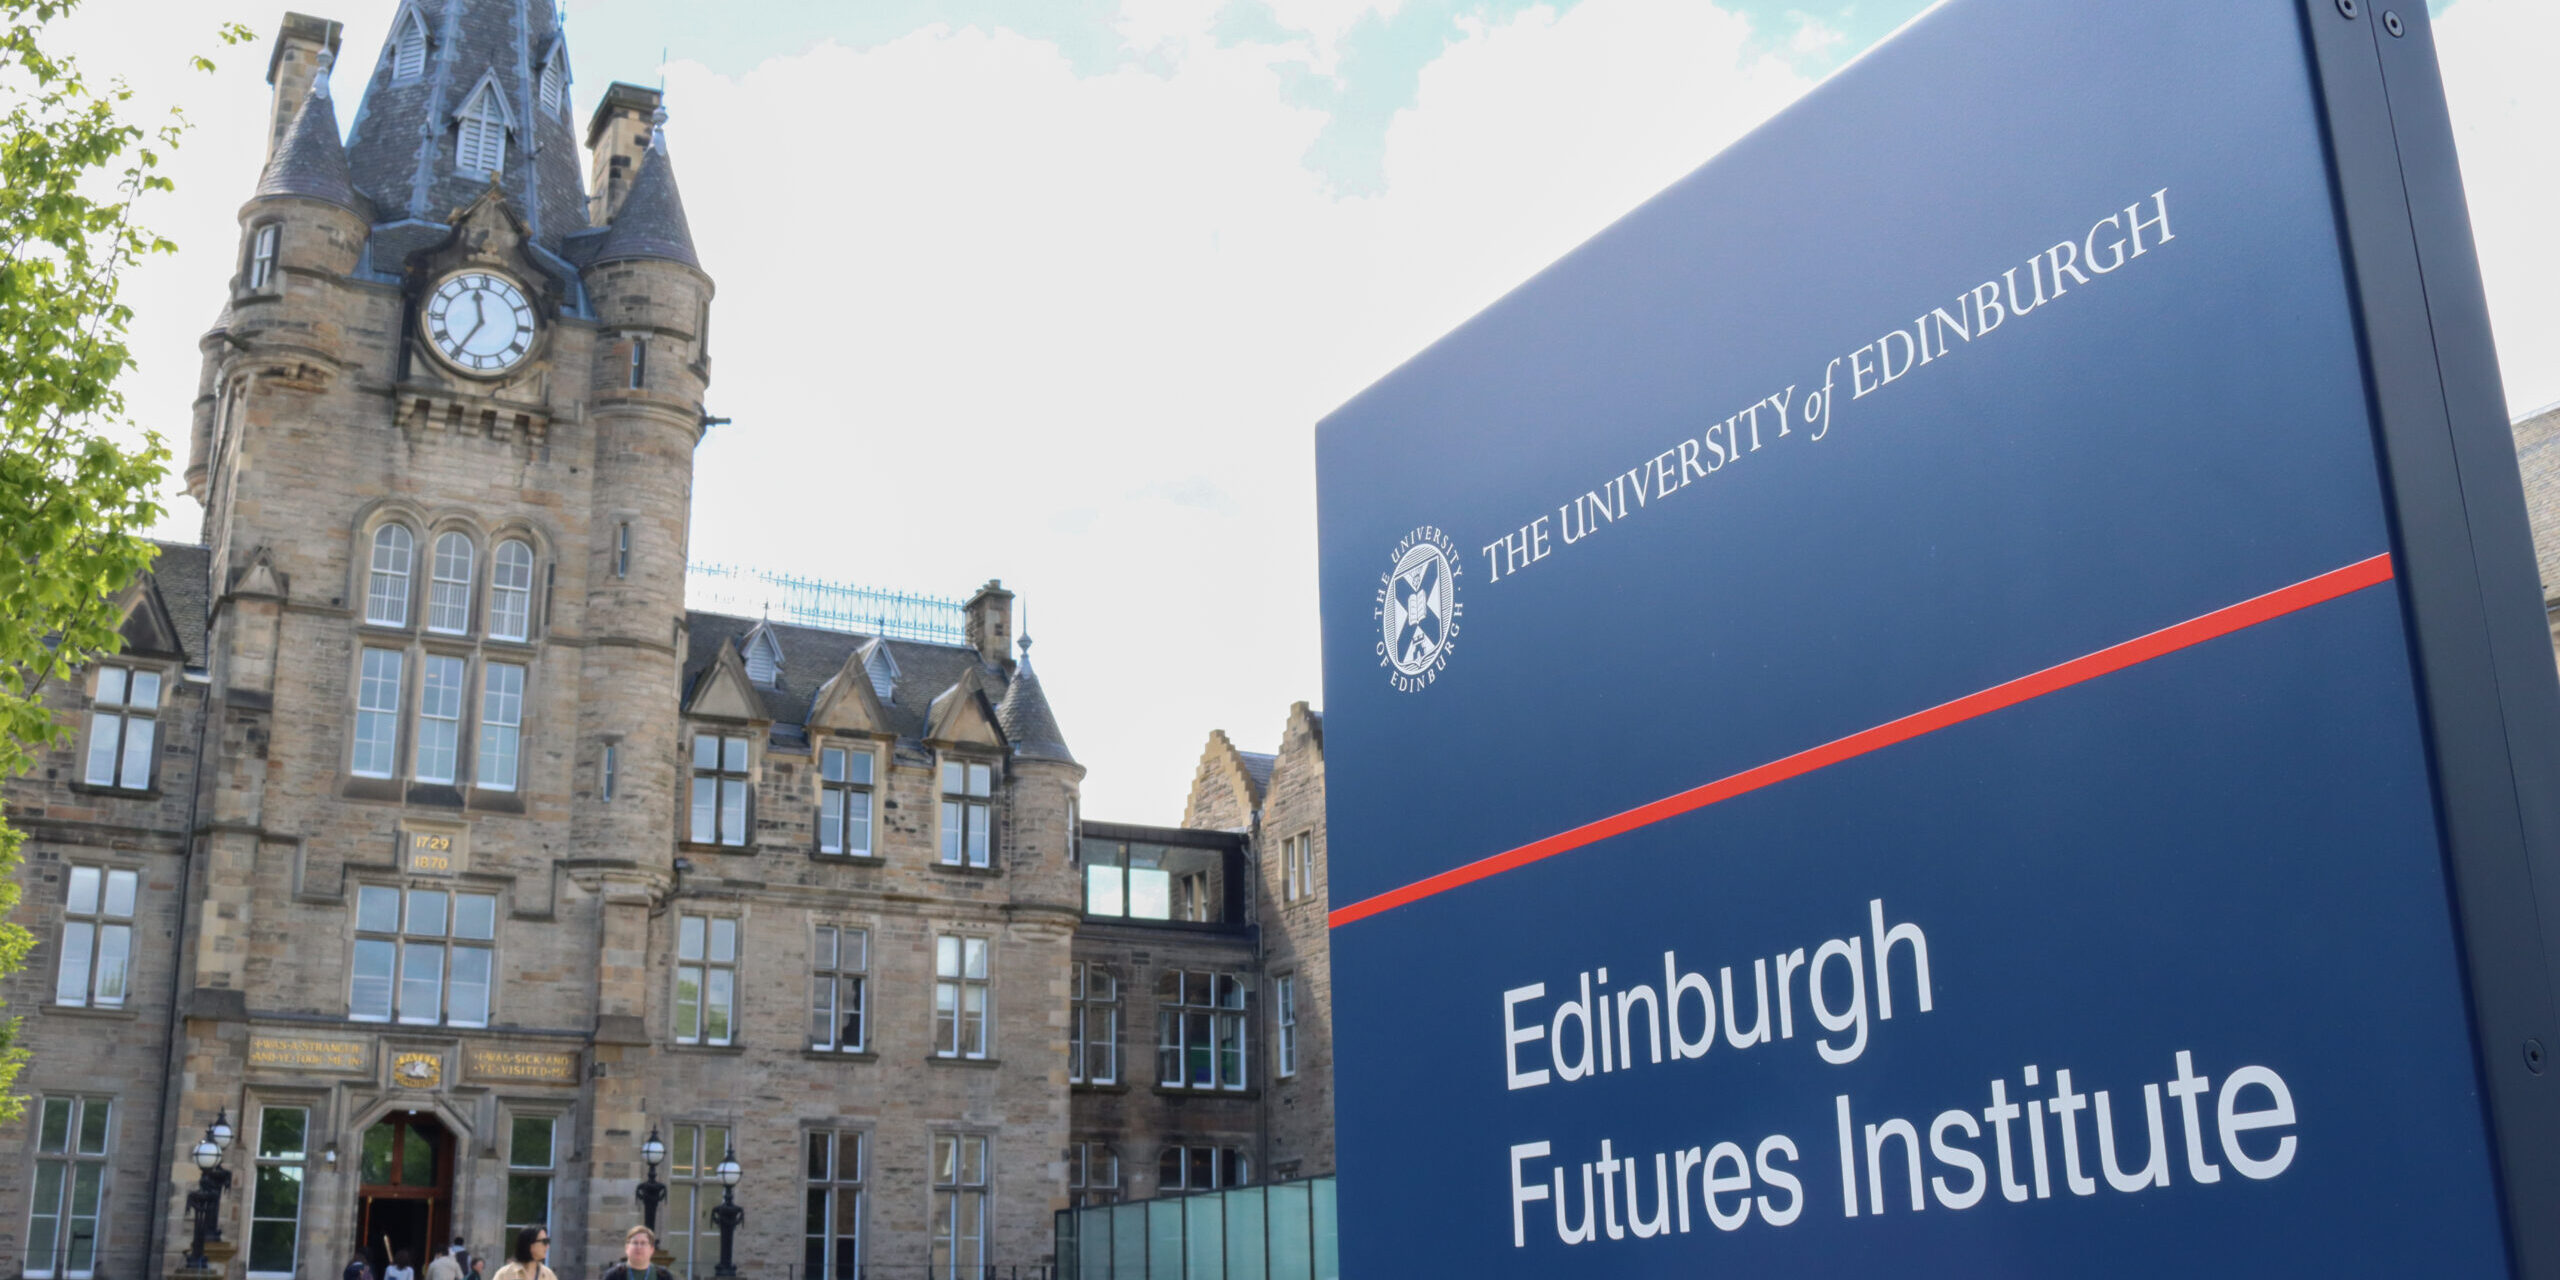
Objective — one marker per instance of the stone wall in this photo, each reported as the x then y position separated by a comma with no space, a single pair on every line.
89,1052
1138,1116
1297,945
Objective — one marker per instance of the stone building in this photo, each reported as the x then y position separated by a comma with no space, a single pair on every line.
2537,436
1277,802
1216,928
425,836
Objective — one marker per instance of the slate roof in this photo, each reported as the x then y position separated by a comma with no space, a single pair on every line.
1027,720
400,151
1258,767
650,223
811,656
310,161
181,571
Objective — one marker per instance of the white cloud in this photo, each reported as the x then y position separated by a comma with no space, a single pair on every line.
1077,331
979,316
1812,38
1329,20
1149,24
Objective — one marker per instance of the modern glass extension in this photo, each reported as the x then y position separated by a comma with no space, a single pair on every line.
1282,1231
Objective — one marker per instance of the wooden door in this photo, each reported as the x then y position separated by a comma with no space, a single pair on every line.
405,1191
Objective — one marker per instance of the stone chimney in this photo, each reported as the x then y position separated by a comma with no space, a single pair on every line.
291,67
617,136
991,623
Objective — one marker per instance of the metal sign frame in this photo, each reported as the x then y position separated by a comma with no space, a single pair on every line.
2483,644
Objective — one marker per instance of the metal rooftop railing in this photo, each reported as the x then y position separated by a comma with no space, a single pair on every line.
815,602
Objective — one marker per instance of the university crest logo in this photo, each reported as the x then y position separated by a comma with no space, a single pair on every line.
1418,609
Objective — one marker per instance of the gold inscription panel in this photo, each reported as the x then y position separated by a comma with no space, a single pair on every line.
434,851
310,1053
539,1066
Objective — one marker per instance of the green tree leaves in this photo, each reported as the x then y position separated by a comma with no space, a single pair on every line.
73,502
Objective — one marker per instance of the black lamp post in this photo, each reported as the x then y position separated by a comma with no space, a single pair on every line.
653,1192
728,1215
204,1204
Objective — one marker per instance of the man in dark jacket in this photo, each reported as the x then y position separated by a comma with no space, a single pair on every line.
639,1245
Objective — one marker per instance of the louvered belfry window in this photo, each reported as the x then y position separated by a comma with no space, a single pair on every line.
480,146
409,61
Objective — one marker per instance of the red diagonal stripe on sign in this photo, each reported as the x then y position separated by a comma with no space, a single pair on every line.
2194,631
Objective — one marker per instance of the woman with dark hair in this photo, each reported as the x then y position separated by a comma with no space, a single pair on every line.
533,1244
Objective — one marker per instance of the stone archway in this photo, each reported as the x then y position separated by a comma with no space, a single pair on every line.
404,1193
411,1161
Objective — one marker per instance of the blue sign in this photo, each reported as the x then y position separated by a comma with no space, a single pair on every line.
1897,711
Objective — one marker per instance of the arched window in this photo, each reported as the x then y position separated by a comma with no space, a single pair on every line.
409,58
481,144
262,255
449,590
386,596
511,592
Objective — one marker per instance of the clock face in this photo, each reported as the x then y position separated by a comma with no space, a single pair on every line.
481,322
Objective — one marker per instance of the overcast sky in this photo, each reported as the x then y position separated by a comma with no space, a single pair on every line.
1055,290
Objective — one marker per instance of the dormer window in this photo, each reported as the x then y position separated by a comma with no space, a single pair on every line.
480,145
882,668
764,659
409,57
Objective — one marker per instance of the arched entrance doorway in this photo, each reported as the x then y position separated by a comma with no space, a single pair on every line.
405,1196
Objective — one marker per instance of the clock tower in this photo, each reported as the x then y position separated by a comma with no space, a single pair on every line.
444,441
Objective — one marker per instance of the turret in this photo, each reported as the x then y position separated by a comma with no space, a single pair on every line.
652,301
305,215
1028,723
645,388
304,221
1044,785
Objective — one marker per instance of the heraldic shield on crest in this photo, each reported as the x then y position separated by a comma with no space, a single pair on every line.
1418,609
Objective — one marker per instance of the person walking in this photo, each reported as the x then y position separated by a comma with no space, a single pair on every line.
533,1244
403,1267
357,1267
448,1265
639,1246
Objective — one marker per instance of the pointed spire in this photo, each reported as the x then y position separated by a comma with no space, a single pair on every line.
1026,717
651,222
311,162
404,144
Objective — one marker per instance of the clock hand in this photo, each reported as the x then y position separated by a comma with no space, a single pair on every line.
479,320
